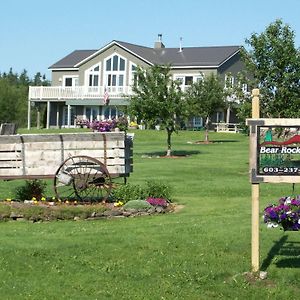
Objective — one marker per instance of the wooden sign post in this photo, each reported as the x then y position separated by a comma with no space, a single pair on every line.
273,158
255,195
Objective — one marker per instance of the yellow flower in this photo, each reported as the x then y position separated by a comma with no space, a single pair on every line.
75,202
33,198
35,201
43,199
8,199
67,202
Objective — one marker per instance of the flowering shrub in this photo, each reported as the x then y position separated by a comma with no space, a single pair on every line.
286,213
133,124
101,126
109,125
157,201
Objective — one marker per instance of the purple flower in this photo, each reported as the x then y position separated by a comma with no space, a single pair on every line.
286,213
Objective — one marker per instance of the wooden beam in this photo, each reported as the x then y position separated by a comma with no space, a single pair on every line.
255,196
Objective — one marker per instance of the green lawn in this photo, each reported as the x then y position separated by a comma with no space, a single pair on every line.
201,252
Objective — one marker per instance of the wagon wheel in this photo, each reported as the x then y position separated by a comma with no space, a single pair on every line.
84,178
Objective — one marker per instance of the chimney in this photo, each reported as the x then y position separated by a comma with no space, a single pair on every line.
159,44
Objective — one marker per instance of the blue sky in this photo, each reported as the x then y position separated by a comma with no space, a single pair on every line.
35,34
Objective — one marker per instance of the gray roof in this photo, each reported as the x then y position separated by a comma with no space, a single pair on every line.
188,57
72,59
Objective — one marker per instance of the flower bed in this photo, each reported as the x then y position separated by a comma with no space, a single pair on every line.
285,214
34,210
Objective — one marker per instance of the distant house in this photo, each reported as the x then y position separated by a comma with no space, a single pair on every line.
96,84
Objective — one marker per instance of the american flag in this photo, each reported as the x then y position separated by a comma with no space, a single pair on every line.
106,97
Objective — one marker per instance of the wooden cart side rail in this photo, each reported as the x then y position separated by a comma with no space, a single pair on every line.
39,156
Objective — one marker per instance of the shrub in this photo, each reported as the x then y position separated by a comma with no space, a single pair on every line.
137,204
32,189
129,192
156,189
152,189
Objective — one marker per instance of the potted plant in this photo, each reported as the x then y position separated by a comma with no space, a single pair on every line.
286,213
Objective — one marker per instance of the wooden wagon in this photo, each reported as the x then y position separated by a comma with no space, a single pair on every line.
82,165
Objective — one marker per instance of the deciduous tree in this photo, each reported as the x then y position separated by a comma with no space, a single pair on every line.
274,62
157,100
204,98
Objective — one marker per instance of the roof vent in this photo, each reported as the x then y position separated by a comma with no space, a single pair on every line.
159,44
180,44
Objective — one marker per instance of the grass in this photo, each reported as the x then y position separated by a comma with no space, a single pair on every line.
201,252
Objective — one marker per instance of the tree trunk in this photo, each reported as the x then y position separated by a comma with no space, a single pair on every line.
206,130
169,141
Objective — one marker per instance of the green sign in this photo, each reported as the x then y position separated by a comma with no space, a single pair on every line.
278,150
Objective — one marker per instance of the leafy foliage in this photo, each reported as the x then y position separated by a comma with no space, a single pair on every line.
128,192
154,189
31,189
137,204
274,62
157,100
205,97
14,96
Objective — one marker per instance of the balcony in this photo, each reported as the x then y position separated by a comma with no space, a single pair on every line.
76,92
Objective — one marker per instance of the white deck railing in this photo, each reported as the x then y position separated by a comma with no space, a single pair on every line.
77,92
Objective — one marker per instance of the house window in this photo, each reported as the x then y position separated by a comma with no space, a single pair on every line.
70,81
133,78
94,76
92,113
199,77
180,79
188,80
244,88
115,72
110,112
229,81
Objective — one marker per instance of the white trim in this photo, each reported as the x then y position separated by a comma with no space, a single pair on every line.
228,58
64,69
117,72
76,67
70,76
90,71
130,72
195,67
183,75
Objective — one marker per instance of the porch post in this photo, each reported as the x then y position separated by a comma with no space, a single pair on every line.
28,115
69,116
57,116
38,118
48,115
228,115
